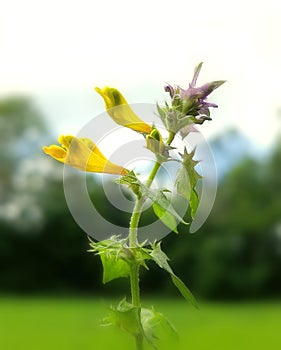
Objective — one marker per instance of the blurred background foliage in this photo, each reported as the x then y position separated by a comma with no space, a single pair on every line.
235,255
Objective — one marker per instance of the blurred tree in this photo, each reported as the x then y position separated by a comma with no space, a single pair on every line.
41,247
20,125
237,253
21,129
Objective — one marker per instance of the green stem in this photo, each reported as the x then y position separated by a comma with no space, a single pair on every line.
133,242
135,289
139,342
170,138
135,292
153,174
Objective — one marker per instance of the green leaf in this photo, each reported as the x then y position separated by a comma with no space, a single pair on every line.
162,115
131,181
163,208
136,320
183,183
113,267
194,202
167,218
185,292
161,259
125,316
156,327
115,256
187,179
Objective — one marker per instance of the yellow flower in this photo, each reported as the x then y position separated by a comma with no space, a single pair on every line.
119,110
82,154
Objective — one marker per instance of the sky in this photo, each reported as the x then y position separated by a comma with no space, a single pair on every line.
57,51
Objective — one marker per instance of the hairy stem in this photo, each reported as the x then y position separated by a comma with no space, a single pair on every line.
133,242
135,293
153,173
139,342
133,239
135,289
170,138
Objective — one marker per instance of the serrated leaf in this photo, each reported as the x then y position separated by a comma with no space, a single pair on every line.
184,121
125,316
113,267
156,327
162,114
185,292
136,320
131,181
161,259
163,208
115,256
183,183
194,202
187,179
167,218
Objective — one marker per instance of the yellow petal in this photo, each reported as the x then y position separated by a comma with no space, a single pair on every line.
84,155
56,152
90,144
119,110
65,140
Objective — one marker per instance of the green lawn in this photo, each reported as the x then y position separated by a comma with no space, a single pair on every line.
72,324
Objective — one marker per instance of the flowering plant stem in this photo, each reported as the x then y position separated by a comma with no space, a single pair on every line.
133,241
123,257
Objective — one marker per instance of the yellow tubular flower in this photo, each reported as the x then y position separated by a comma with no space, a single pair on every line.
82,154
119,110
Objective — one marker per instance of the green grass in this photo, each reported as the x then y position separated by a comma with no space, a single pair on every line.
72,324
